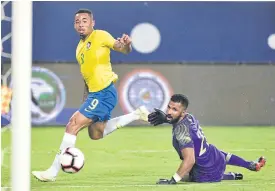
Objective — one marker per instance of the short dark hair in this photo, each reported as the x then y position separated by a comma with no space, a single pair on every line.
180,98
85,11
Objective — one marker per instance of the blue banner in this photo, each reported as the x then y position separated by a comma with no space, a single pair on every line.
161,31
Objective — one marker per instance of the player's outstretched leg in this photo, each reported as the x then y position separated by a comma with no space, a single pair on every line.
76,123
100,130
250,165
140,113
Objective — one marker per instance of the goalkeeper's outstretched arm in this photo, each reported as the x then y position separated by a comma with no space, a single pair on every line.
157,117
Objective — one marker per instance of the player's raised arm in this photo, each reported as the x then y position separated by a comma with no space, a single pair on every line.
123,44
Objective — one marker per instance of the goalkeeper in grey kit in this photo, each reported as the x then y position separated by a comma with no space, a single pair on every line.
201,161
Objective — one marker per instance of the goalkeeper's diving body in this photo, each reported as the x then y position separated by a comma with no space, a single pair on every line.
100,96
201,161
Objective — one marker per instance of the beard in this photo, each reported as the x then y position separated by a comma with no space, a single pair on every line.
173,120
83,36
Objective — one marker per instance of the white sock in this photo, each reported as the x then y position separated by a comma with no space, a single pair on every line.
118,122
68,141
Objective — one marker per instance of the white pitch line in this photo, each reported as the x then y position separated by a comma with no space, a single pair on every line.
246,150
156,151
145,151
162,151
146,185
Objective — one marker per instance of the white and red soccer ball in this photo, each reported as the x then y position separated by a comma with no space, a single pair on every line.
71,160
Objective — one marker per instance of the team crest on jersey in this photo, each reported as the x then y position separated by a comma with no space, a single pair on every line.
144,87
88,46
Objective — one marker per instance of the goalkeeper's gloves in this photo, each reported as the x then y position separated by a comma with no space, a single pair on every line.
176,178
166,181
157,117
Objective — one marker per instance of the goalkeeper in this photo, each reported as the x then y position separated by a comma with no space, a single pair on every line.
201,161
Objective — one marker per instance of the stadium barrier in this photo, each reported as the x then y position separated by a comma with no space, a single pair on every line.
219,94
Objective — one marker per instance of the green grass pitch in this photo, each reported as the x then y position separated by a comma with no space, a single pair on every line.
133,159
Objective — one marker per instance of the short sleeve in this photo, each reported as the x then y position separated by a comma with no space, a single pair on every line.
108,39
183,137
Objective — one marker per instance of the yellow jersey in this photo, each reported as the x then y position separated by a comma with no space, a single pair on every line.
93,56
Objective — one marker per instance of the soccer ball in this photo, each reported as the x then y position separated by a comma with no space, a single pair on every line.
71,160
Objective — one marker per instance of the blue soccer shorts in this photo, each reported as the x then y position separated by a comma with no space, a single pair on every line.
99,105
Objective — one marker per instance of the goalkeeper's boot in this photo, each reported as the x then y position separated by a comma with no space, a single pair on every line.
142,112
43,176
261,163
238,176
257,165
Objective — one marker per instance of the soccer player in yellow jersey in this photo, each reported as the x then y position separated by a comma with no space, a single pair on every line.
93,56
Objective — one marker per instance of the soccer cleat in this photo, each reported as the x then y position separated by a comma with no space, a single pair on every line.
261,163
257,165
43,176
143,113
234,175
238,176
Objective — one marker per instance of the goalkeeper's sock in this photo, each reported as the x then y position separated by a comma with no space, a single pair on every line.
119,122
68,141
236,160
232,176
229,176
